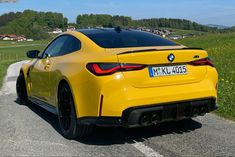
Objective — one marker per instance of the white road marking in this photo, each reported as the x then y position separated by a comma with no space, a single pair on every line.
149,152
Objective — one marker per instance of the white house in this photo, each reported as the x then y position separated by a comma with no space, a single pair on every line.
29,40
6,38
56,31
71,28
175,37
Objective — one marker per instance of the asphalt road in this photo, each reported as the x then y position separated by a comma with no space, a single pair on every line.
32,131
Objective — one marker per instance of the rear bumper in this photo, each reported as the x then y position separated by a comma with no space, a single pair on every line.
124,96
154,114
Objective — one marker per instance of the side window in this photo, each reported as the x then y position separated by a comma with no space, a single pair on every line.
71,44
55,47
63,45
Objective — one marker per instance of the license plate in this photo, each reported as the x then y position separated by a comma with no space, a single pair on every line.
167,70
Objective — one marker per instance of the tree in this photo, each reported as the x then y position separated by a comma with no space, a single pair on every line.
94,20
6,18
32,24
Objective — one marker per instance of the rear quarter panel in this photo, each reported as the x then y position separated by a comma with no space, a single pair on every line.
83,84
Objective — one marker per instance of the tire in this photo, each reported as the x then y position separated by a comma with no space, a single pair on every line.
21,89
70,127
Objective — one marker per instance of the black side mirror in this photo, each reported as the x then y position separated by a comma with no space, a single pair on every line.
33,54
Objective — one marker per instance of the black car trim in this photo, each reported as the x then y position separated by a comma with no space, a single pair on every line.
44,105
146,50
168,111
101,121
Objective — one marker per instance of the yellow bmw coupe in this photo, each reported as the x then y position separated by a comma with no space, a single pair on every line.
117,77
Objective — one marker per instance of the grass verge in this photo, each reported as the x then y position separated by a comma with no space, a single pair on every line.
221,49
11,52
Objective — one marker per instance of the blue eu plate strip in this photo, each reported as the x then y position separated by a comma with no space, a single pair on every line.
151,72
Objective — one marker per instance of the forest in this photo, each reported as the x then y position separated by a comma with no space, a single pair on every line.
31,23
36,25
91,20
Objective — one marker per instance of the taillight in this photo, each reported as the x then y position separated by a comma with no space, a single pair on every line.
110,68
204,61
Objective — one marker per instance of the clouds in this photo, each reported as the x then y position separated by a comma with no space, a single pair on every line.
8,1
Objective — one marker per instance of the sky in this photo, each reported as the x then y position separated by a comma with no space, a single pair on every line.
221,12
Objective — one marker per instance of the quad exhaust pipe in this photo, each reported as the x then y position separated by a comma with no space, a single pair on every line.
145,120
155,118
201,111
195,112
149,119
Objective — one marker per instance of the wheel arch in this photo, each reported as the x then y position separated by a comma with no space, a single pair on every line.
63,81
24,71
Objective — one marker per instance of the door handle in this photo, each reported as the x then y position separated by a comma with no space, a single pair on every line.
48,62
47,66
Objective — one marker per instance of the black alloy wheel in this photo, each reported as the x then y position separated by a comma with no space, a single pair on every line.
69,124
21,89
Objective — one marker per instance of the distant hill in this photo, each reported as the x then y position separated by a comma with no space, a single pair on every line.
31,23
8,17
36,25
217,26
105,20
231,29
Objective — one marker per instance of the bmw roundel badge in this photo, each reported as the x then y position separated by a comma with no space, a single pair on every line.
171,57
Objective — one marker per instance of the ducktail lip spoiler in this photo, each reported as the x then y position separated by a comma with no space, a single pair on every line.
146,50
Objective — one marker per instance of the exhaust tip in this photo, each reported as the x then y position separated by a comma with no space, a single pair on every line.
145,120
195,112
203,111
155,119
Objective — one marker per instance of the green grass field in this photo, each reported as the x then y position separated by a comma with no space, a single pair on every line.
221,48
11,52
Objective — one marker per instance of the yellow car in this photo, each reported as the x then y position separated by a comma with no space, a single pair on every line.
117,77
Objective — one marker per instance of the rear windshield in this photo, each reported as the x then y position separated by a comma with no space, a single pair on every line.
126,38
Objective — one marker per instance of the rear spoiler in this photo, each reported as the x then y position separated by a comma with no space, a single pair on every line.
146,50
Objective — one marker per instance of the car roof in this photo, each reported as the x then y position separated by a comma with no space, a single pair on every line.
90,31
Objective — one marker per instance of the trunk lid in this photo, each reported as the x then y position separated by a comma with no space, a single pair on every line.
159,58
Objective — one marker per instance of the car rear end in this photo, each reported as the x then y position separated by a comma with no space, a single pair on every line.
147,86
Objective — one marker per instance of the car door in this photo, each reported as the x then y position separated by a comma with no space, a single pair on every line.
40,72
71,45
